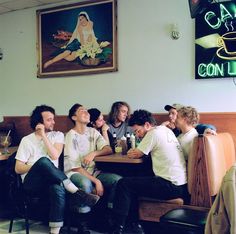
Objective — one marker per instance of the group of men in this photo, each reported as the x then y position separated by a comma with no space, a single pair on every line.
37,162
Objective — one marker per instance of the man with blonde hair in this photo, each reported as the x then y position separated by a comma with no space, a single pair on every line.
186,121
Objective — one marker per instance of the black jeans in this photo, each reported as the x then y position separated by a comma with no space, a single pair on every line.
130,188
45,178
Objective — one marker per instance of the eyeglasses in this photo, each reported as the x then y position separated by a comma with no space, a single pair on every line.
137,130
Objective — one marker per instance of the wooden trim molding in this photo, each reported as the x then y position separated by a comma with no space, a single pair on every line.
223,121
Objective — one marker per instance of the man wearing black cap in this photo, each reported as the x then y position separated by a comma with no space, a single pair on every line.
173,112
172,109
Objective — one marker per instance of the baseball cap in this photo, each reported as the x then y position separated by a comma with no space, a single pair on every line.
174,106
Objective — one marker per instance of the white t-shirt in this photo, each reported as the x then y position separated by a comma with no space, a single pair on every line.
31,148
186,141
79,145
167,156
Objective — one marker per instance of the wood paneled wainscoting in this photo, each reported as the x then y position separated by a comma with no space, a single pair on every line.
223,121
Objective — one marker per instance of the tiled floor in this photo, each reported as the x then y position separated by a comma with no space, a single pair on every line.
35,228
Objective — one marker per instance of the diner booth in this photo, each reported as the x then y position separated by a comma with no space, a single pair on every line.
148,53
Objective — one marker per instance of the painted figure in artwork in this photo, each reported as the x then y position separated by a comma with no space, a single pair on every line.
82,35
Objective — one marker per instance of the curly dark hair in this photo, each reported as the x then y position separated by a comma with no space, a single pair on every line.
112,116
140,117
36,115
72,111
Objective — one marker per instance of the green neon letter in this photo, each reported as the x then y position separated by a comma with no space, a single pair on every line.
232,68
208,16
224,13
202,70
219,69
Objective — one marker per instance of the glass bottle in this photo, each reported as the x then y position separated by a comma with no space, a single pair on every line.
128,140
133,141
114,142
124,145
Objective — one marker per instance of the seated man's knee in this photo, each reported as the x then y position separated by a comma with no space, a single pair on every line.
109,179
86,185
113,180
44,161
116,178
124,182
82,182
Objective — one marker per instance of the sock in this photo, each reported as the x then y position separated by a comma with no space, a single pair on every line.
69,186
55,230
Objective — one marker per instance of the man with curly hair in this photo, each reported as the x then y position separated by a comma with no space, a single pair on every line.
171,123
37,163
168,164
186,120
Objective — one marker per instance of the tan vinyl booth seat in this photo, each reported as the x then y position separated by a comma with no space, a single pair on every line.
211,156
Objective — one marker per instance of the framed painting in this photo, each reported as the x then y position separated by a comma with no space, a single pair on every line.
77,39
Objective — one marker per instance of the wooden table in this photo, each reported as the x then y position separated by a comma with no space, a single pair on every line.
122,165
12,150
117,158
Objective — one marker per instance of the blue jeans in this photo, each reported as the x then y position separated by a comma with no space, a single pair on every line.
108,180
45,178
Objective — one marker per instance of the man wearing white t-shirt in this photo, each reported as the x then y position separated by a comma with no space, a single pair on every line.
82,145
186,121
169,180
37,162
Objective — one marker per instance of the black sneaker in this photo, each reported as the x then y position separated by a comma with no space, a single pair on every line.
81,197
134,228
83,228
117,230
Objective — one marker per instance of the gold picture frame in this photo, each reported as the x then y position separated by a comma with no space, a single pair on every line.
77,39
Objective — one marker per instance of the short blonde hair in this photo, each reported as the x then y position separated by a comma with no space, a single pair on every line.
190,114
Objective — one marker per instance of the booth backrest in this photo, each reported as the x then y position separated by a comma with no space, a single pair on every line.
229,150
210,158
223,121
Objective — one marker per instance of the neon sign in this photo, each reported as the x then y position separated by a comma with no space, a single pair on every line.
215,42
224,17
211,69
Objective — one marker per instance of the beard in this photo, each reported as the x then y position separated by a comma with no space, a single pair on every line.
49,129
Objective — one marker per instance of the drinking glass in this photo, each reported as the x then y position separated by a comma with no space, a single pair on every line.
5,141
118,147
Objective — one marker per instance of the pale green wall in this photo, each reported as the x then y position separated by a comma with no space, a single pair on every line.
154,70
